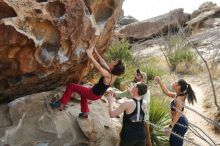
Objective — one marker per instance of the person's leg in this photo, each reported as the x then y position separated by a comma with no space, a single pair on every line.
84,104
83,91
180,130
172,139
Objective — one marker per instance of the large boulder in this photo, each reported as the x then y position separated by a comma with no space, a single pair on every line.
207,16
207,42
153,26
127,20
43,42
200,20
30,121
207,6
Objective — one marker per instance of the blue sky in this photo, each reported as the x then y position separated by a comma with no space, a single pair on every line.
144,9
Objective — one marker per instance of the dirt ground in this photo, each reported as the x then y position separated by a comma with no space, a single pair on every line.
205,106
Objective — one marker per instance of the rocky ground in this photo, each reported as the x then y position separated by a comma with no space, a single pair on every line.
30,121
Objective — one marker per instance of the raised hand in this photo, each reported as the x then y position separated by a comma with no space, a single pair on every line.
167,130
130,88
89,51
111,98
157,79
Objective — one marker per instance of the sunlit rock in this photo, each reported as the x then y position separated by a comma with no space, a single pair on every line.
43,42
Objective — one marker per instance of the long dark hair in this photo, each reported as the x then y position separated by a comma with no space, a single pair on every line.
186,89
118,69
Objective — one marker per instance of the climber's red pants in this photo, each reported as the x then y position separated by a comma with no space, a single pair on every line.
85,92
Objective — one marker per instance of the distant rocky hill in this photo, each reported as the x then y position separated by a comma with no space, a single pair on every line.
202,26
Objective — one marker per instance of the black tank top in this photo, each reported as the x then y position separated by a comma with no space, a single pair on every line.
133,125
100,88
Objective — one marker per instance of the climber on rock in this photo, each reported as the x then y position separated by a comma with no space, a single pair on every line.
108,72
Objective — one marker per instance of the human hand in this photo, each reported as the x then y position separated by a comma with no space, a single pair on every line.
157,79
107,93
110,98
130,88
167,130
89,51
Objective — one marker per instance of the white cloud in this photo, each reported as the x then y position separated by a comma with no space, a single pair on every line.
144,9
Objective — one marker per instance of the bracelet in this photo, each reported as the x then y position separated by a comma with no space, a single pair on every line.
170,126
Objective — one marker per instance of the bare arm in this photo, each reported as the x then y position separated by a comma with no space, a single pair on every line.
124,93
113,113
147,130
101,60
164,88
103,71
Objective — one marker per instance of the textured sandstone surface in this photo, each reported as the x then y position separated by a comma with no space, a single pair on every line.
30,121
43,42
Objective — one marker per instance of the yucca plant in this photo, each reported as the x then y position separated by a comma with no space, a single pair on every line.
159,115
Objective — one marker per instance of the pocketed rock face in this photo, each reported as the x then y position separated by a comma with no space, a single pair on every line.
43,42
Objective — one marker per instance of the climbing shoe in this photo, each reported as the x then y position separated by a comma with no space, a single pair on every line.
83,115
55,103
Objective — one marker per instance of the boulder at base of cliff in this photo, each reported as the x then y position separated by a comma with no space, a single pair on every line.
31,121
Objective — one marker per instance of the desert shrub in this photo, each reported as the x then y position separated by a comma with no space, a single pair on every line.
179,56
159,115
177,51
120,50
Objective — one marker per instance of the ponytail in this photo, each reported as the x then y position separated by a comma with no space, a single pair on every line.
187,90
191,97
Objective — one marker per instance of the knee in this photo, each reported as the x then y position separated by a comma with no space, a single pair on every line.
70,85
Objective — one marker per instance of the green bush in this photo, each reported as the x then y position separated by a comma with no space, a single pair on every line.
181,55
152,71
152,67
178,51
120,50
174,41
159,115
